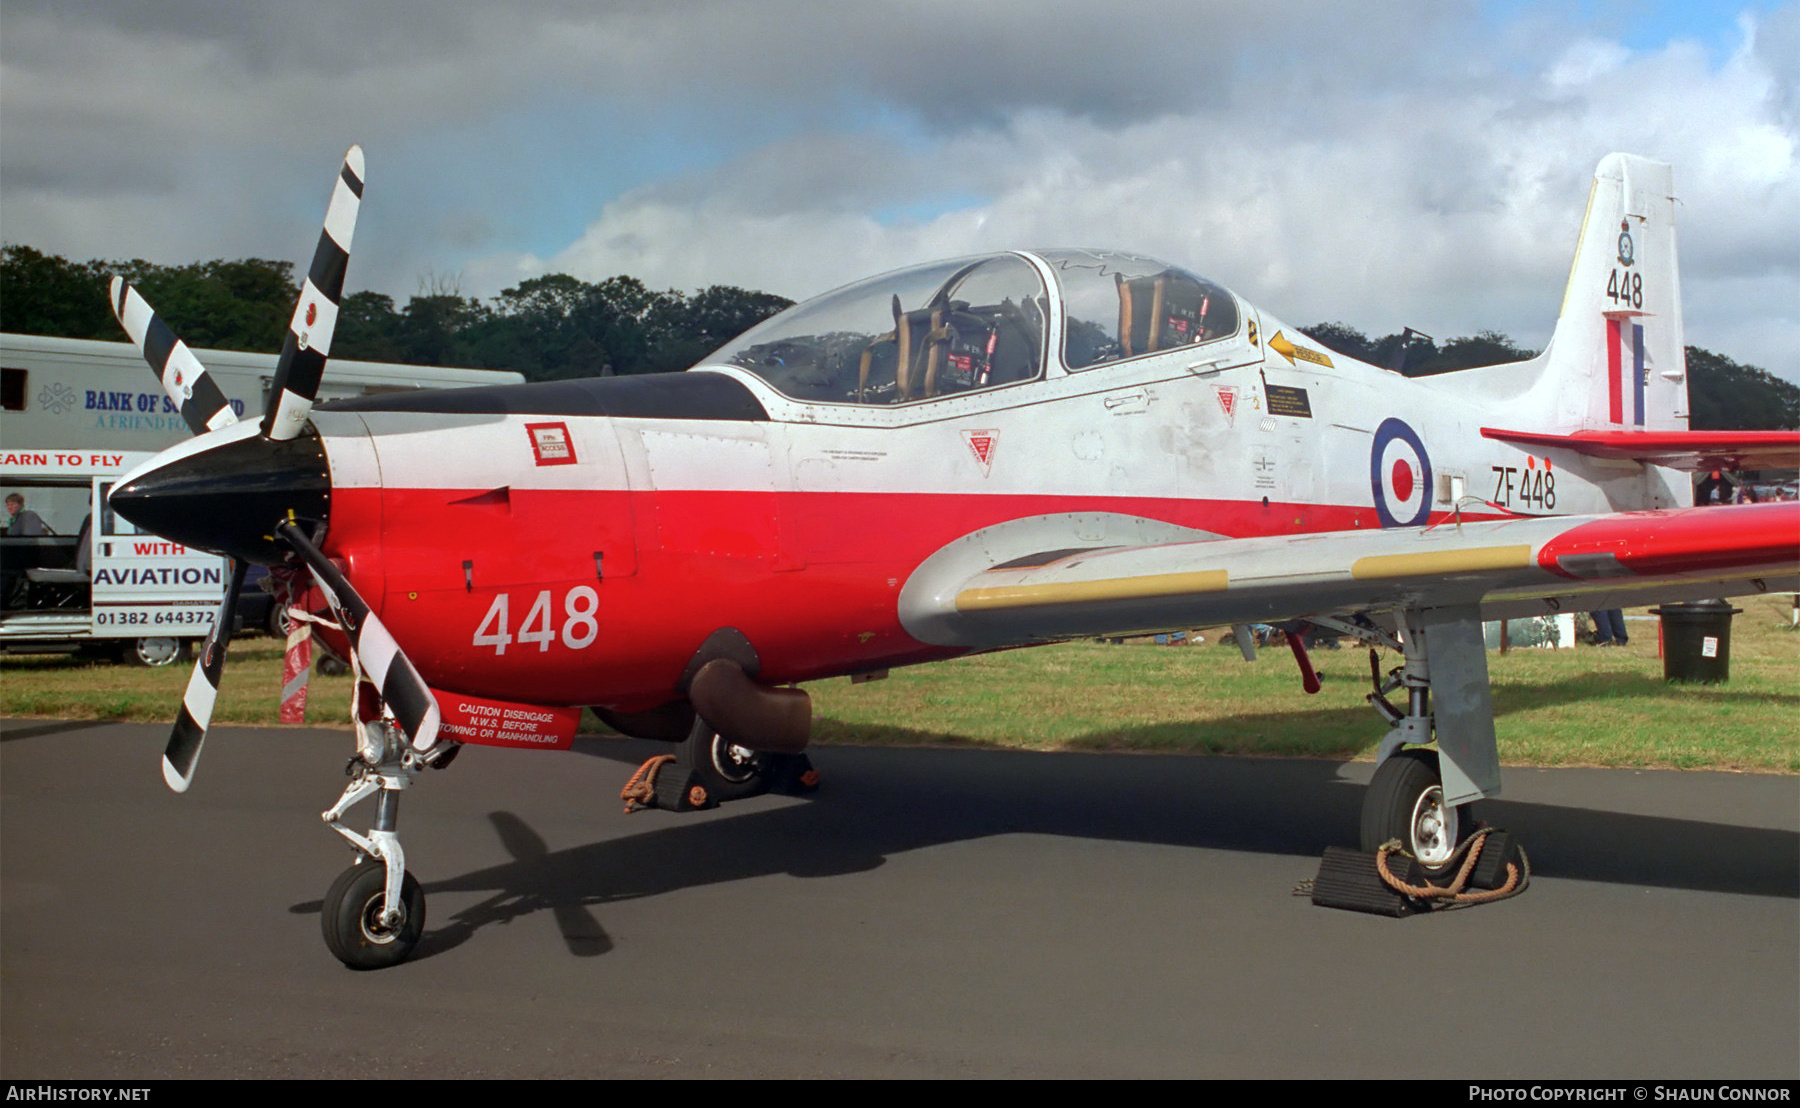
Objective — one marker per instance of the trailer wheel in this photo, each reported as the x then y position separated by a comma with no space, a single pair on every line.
155,652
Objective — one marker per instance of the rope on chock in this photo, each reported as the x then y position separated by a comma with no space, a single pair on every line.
1517,877
640,791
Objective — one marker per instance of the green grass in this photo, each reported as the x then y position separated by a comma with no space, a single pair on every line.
1587,706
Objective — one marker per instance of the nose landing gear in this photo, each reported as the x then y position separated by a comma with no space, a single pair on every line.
374,913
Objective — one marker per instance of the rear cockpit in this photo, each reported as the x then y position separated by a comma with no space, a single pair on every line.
962,326
1121,306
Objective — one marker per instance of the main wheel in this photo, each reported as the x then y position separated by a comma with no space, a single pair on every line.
727,771
351,918
1405,801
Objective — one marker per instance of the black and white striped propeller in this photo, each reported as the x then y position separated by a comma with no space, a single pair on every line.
308,343
183,751
402,689
183,378
198,493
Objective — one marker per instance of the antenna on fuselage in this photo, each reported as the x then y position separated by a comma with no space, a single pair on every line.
1397,363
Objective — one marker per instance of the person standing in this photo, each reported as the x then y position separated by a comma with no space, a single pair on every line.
1609,627
1716,488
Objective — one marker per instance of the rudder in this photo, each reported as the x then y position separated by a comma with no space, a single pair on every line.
1617,356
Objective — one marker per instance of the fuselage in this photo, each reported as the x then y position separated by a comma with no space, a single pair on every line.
576,542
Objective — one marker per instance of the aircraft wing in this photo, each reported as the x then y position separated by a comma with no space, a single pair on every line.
1507,568
1691,450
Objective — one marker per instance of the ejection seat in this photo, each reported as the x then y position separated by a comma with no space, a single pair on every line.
918,339
1160,312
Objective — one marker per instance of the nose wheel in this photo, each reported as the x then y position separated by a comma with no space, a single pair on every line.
374,913
360,927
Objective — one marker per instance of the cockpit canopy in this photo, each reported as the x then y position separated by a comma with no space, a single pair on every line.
1123,306
977,323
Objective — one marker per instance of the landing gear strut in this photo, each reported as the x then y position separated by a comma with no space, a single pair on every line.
374,913
1421,796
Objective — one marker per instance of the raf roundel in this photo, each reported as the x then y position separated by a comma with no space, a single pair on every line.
1400,475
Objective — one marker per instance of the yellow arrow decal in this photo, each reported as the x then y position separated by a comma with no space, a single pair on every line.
1288,350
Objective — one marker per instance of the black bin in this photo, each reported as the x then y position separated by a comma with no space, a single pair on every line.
1696,640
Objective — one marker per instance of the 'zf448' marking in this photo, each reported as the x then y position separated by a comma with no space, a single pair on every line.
579,629
1536,488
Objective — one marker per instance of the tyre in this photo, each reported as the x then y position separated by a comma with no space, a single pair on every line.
726,770
155,652
351,918
278,626
1405,801
330,665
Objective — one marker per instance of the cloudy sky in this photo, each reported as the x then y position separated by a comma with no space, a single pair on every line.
1411,162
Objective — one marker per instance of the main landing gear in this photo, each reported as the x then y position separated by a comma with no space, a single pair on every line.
1437,758
709,769
374,913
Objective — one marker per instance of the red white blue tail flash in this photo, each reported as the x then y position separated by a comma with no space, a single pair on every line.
1625,369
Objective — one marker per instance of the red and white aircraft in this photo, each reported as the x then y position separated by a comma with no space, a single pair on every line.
989,452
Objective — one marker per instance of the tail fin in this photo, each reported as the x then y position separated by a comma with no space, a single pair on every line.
1617,360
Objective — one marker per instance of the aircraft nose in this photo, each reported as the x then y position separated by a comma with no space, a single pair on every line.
224,492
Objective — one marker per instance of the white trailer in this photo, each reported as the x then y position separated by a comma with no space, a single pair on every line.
75,415
79,394
88,578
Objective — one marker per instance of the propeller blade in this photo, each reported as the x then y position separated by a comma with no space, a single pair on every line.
401,687
183,751
185,381
302,363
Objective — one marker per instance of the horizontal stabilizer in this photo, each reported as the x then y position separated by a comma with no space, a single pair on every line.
1691,450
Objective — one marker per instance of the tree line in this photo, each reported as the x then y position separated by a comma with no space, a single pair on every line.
547,328
557,326
1723,395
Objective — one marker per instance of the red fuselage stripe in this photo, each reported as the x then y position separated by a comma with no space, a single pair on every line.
812,579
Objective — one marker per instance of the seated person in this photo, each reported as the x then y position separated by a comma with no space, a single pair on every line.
22,522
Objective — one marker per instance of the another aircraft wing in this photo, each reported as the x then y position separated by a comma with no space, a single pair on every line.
1691,450
1508,568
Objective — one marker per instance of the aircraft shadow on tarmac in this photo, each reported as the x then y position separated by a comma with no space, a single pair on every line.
880,802
15,730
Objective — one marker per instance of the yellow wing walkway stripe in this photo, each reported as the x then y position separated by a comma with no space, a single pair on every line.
1151,586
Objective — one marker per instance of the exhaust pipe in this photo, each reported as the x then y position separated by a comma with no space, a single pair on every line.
775,720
